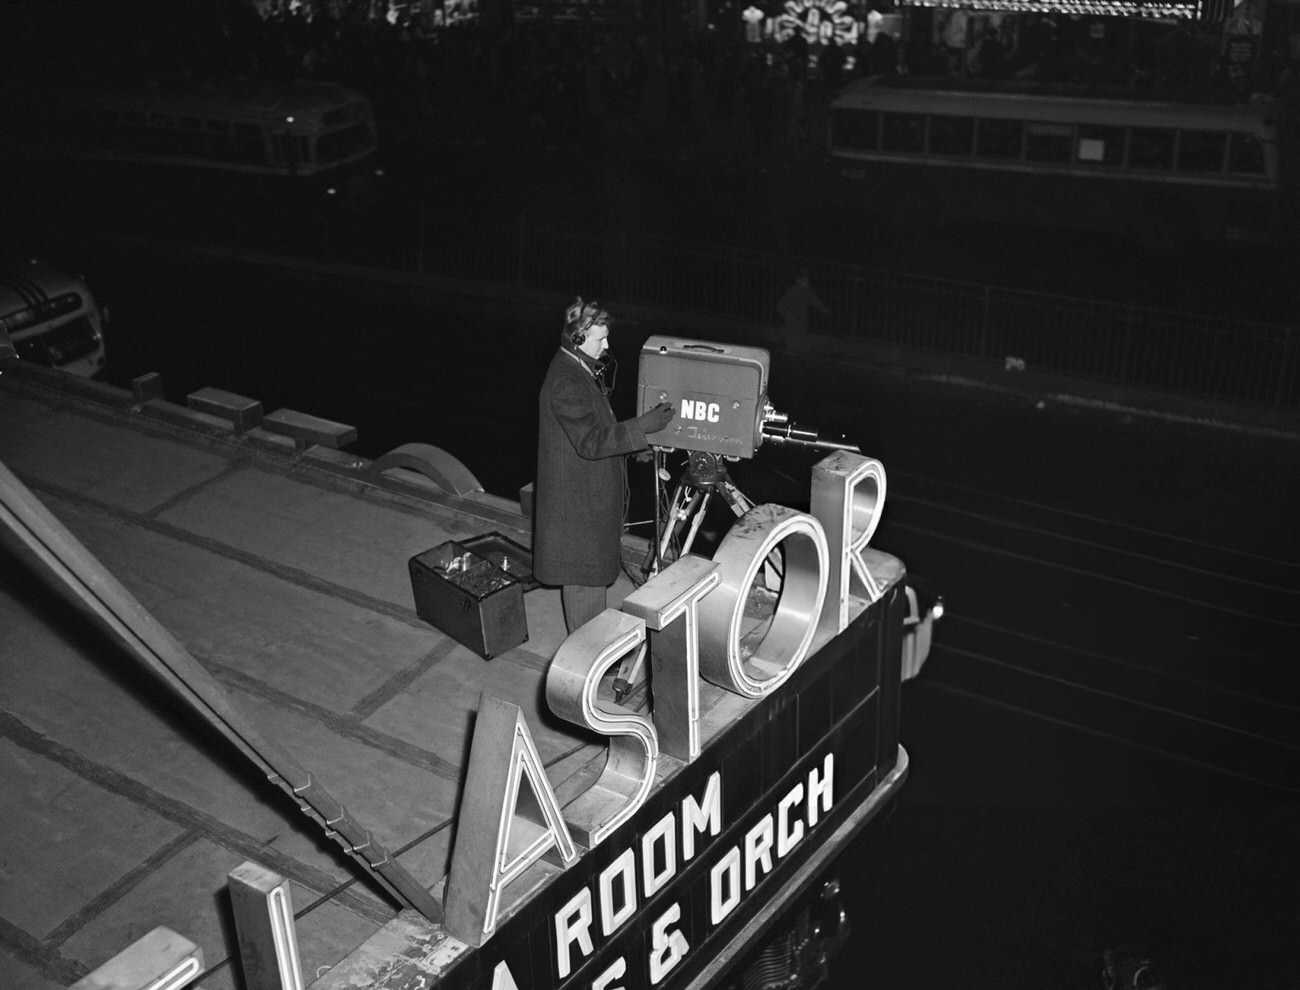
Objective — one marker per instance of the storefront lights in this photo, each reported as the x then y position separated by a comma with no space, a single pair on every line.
1189,10
823,21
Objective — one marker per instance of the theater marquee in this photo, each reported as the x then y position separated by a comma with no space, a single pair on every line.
702,812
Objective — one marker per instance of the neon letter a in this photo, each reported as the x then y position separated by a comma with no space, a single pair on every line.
495,843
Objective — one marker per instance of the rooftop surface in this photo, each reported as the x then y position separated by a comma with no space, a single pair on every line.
289,583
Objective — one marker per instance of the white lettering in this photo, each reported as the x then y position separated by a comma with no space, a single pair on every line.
701,410
726,869
664,833
820,789
666,947
573,924
612,914
758,849
696,817
788,835
502,978
616,972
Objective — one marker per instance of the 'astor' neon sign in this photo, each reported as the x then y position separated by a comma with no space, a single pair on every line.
692,615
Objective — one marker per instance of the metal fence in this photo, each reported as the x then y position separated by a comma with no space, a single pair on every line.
1186,353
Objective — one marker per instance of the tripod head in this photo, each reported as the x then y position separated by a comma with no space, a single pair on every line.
705,471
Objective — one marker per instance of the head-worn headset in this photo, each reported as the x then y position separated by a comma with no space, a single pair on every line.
580,317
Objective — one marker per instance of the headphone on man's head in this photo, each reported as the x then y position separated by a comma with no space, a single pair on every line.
580,317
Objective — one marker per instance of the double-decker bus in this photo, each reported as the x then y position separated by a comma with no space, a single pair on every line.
1171,172
306,144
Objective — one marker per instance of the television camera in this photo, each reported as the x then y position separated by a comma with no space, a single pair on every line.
723,414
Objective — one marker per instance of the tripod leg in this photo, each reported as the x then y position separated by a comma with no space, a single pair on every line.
629,669
671,521
699,510
688,503
740,504
734,497
686,506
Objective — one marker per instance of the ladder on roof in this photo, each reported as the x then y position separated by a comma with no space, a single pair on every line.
77,569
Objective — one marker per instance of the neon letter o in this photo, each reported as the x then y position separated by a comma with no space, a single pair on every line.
753,672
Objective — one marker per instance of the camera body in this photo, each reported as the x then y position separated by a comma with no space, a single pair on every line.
719,392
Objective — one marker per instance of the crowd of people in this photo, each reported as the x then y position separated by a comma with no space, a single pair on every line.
545,81
548,81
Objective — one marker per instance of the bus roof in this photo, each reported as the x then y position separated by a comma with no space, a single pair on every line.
247,99
25,283
1028,100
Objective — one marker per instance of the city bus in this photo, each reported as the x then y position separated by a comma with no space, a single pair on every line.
307,144
50,318
1169,172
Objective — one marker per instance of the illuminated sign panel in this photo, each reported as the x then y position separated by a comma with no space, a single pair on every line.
1190,10
819,21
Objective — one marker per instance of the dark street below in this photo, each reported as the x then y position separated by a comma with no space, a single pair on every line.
1056,807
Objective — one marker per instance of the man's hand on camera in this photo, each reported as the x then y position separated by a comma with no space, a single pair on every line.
654,420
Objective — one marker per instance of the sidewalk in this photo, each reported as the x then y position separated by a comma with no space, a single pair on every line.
950,369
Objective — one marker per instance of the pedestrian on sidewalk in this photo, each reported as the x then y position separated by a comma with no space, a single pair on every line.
795,309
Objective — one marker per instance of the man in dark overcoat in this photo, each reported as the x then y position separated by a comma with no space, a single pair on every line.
579,496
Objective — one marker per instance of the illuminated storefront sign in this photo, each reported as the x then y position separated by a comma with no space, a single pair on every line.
818,21
693,609
1190,9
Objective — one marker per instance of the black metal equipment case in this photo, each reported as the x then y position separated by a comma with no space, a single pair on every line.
470,598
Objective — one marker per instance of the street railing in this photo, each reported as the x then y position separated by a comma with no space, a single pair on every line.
1186,353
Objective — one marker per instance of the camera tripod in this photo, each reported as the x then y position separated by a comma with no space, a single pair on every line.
705,475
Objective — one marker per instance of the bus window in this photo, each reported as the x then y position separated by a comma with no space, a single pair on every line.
996,138
1049,143
856,129
1101,144
1151,147
189,141
902,132
1245,155
341,144
1201,151
248,143
291,148
951,135
164,141
340,115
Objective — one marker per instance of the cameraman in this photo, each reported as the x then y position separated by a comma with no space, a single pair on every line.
581,474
